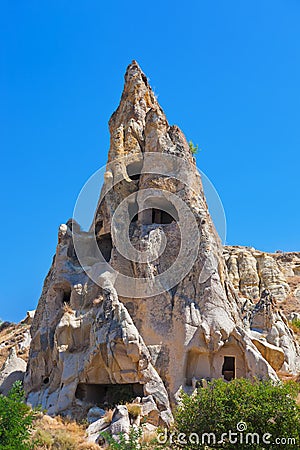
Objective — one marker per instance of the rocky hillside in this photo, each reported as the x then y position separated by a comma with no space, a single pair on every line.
14,349
252,271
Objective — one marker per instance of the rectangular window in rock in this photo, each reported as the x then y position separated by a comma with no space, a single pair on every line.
228,369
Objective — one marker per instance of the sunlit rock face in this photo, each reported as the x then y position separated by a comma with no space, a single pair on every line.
159,310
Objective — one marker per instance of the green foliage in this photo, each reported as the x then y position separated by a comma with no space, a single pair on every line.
296,323
193,148
263,406
16,420
132,443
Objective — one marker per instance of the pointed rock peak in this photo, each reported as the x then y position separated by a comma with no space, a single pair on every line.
133,71
128,122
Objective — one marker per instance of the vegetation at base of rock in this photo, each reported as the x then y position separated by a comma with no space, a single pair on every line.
193,148
264,407
60,433
296,324
134,409
134,441
16,420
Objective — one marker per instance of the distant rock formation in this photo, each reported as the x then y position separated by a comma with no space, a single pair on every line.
252,271
124,325
13,370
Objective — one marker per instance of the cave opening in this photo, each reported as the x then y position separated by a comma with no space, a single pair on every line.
66,295
228,369
108,394
159,211
134,170
105,246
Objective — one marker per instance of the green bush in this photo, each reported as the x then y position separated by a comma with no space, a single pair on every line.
296,323
259,407
193,148
16,420
132,443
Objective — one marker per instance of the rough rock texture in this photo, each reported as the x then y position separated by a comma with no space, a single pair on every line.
88,340
252,271
13,370
15,336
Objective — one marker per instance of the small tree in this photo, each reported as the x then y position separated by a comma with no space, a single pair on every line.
193,148
243,407
16,420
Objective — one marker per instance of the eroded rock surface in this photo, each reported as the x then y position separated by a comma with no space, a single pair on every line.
91,337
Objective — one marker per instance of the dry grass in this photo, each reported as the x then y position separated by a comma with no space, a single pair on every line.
58,433
134,409
108,415
149,437
67,308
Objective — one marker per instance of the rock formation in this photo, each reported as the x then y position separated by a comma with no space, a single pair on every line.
13,370
14,347
143,303
252,271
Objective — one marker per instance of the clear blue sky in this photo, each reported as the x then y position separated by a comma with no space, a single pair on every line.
226,72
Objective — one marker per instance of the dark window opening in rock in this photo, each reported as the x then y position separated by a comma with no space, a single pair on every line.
108,394
66,296
159,211
228,369
134,170
161,217
105,246
46,380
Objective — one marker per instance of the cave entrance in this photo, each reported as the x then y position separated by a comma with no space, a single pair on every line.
197,366
108,394
228,369
105,246
159,210
134,170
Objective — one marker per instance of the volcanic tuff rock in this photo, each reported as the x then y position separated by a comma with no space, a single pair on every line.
252,271
93,341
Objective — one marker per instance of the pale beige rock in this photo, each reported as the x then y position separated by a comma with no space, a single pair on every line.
13,370
252,271
274,355
87,338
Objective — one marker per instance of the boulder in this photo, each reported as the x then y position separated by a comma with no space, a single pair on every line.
13,370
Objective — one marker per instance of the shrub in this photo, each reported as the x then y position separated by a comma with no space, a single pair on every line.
193,148
296,323
124,443
260,407
16,420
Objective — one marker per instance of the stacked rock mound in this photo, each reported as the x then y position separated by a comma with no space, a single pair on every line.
141,304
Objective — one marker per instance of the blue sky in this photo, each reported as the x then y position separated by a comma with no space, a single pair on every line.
226,72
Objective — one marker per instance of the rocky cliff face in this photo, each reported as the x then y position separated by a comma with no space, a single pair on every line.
252,271
143,303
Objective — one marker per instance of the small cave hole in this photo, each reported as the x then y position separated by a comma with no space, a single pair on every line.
66,295
134,170
46,380
105,246
161,217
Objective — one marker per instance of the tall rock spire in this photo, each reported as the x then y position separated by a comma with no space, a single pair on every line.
144,298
